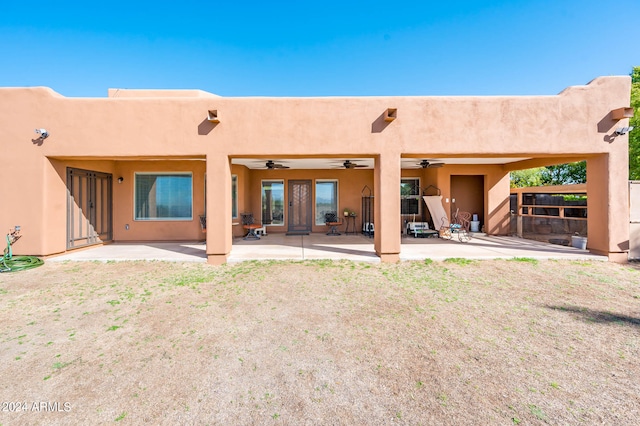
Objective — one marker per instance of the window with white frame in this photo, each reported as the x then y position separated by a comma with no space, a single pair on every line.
272,202
410,196
163,196
326,199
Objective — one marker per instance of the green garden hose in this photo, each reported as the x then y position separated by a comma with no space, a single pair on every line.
18,263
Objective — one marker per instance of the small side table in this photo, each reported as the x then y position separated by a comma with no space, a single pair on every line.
350,220
251,234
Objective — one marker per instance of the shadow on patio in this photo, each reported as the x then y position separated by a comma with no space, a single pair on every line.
304,247
321,246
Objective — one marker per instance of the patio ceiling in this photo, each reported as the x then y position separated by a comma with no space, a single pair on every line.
366,162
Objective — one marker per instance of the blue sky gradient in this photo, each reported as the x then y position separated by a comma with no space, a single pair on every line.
304,48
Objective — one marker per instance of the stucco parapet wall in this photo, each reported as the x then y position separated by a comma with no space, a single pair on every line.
622,81
611,82
160,93
35,91
573,122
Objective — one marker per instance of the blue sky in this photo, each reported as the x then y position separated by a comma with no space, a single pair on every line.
306,48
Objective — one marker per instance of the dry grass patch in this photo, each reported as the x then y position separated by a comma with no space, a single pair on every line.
481,342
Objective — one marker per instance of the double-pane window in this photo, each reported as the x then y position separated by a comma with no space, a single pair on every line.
272,202
326,199
234,196
410,196
163,196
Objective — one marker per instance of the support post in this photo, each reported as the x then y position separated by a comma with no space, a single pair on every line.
219,236
608,205
387,176
519,214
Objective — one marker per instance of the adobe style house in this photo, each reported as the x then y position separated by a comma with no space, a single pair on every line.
144,165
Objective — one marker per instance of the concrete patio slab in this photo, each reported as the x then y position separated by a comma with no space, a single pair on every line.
304,247
483,246
171,251
320,246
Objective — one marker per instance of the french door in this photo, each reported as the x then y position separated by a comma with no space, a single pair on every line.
89,200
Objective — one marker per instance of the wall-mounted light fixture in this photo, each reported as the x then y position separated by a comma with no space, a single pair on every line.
43,133
120,179
620,131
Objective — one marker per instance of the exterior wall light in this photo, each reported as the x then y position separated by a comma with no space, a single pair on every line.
43,133
620,131
120,179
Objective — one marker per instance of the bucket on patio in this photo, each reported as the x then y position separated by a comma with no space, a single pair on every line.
475,226
579,242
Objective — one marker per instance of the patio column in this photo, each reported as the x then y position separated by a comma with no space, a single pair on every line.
219,237
498,214
608,205
386,219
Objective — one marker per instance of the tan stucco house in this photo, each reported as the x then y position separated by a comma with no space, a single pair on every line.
144,165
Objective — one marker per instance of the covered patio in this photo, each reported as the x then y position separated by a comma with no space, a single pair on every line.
320,246
157,161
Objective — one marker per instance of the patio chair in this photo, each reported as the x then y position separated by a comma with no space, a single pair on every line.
447,228
463,219
331,220
248,223
203,223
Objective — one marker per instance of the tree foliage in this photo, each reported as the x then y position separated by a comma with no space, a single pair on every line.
561,174
527,177
634,136
565,174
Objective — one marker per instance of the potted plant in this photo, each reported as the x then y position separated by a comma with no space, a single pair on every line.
347,212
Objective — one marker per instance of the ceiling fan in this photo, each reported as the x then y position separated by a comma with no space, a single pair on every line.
426,164
349,165
271,165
